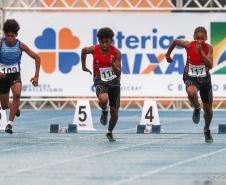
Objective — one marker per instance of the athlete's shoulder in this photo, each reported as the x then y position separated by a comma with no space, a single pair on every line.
88,50
193,42
115,49
210,47
23,46
96,48
190,44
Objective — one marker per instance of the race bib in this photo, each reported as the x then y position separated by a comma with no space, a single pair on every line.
197,71
107,74
6,69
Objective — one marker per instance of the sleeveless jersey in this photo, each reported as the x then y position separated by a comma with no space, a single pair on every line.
101,63
10,57
193,57
195,66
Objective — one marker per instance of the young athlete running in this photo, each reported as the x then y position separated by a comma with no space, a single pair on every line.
107,72
10,58
197,77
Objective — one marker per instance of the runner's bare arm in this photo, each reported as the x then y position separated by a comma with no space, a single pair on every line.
176,42
116,63
84,53
32,54
208,59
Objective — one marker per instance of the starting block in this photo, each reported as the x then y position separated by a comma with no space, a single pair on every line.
150,122
140,129
55,128
222,129
154,129
72,128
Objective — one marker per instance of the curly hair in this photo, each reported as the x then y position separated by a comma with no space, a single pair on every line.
105,33
11,25
200,29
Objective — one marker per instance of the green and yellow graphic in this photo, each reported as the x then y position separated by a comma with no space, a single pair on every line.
218,41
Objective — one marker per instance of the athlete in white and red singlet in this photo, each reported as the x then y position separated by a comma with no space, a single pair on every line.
197,77
107,72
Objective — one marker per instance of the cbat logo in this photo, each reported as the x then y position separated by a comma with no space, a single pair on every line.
57,50
218,41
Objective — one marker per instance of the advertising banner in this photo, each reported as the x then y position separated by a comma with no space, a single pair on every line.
143,39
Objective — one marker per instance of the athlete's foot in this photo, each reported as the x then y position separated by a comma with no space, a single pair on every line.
196,115
18,113
110,137
8,129
208,136
104,117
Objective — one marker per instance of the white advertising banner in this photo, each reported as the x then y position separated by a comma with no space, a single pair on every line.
143,39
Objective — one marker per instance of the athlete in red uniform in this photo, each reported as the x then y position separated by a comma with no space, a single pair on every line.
197,77
107,72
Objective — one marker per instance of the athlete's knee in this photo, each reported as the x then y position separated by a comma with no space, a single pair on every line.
16,96
192,93
103,103
103,100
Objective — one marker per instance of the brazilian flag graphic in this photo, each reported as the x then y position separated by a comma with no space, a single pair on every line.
218,41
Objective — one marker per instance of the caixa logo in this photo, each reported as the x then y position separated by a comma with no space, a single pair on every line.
56,50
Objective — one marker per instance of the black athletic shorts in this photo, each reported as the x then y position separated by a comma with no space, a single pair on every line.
8,81
203,84
112,88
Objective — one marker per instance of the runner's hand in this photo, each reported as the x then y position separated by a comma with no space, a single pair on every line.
34,81
87,70
198,47
169,59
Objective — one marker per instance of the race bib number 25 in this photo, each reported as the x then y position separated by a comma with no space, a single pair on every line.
6,69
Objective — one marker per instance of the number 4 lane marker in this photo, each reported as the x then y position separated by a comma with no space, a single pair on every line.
150,117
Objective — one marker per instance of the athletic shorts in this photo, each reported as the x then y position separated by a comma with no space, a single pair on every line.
112,88
203,84
8,81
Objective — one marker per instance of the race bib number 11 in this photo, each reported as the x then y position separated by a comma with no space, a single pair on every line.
107,74
197,71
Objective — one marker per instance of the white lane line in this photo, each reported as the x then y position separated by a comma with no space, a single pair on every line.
58,162
86,136
24,147
158,170
62,140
